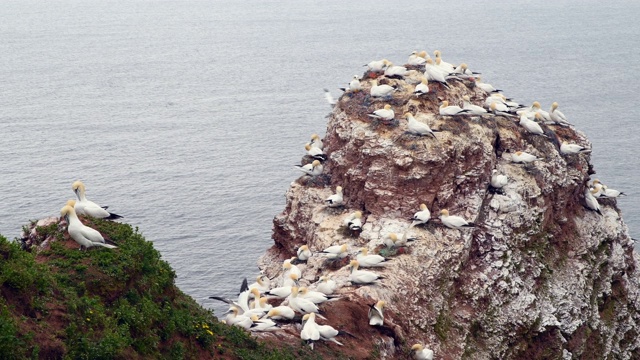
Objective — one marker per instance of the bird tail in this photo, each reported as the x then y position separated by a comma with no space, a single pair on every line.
341,332
113,216
470,225
336,341
108,246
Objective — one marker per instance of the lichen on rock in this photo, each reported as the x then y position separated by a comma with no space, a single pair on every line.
540,276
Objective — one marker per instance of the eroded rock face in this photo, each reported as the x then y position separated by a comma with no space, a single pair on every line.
540,276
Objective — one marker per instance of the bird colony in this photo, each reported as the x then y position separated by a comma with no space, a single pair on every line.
351,223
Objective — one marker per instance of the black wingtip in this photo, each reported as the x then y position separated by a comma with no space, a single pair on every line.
244,286
113,216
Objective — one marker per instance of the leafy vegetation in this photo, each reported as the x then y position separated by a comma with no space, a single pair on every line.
62,303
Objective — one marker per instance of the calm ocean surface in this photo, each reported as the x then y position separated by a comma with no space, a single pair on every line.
186,116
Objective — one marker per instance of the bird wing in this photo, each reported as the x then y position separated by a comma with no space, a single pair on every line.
93,209
92,235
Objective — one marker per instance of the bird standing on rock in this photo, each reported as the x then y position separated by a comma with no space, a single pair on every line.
86,207
85,236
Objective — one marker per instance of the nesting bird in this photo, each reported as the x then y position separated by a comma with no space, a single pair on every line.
85,236
386,113
376,313
337,199
86,207
454,222
419,352
382,90
361,277
421,217
451,110
313,169
523,157
416,127
315,152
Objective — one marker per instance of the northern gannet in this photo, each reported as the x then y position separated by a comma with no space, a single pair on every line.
604,191
454,222
392,240
326,285
523,157
236,319
532,126
281,313
383,90
376,313
443,64
498,108
303,253
488,88
473,109
422,88
301,305
416,127
336,251
434,73
378,65
354,221
315,297
395,72
415,59
361,276
419,352
288,268
421,217
328,333
463,69
310,332
336,200
315,152
498,181
315,141
423,54
354,85
536,109
263,324
290,280
591,201
87,207
263,283
385,114
366,260
568,149
453,110
85,236
313,169
283,291
557,116
330,99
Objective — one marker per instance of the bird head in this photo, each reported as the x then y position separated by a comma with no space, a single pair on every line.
387,107
423,207
417,347
444,212
445,103
71,203
78,187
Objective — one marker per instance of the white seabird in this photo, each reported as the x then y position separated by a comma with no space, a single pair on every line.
378,65
392,240
315,141
313,169
523,157
354,85
416,127
422,88
488,88
236,319
434,73
421,353
376,313
281,313
385,114
454,222
415,59
354,221
263,324
395,72
288,268
328,333
303,253
330,99
536,109
531,126
326,285
453,110
310,332
498,108
557,116
315,152
591,201
316,297
337,199
473,109
336,251
463,69
498,181
361,277
568,149
383,90
87,207
445,66
421,217
299,304
366,260
604,191
262,283
85,236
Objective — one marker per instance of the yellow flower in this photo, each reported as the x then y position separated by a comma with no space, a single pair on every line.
210,333
88,319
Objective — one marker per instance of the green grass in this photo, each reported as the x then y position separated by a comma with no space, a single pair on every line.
108,304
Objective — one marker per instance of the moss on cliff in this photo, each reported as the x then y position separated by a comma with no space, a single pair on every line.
62,303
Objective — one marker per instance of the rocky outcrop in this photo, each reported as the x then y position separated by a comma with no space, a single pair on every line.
539,277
